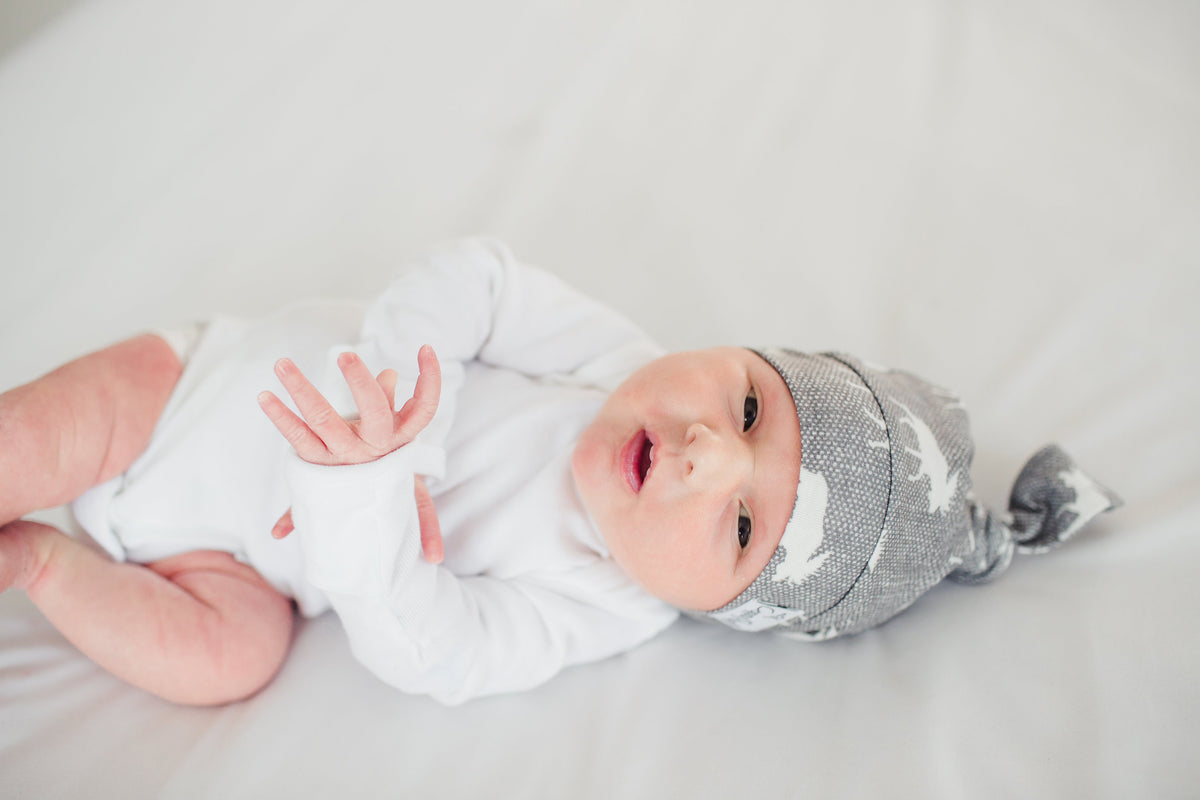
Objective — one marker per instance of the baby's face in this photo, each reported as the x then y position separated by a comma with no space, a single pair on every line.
690,471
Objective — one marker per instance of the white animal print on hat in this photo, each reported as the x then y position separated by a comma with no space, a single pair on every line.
883,506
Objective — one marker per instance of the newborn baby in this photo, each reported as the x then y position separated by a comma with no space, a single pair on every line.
553,490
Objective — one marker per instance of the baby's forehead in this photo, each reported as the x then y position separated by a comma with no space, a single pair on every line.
746,356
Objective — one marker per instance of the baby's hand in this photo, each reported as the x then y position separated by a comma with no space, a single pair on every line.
324,437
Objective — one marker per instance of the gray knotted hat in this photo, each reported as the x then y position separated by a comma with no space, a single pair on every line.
884,508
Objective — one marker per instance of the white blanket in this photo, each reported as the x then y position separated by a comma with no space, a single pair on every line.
1003,197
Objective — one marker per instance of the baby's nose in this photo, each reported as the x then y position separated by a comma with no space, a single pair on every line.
713,458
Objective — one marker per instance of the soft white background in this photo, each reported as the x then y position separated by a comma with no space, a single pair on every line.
1004,197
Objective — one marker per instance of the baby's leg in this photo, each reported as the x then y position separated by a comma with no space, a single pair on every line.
199,628
81,424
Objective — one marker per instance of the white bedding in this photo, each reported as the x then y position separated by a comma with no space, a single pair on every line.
1004,197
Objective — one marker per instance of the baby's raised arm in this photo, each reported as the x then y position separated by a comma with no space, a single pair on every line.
473,300
324,437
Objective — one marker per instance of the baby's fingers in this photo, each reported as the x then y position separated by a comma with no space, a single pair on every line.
374,408
321,417
387,381
306,443
431,530
283,526
420,408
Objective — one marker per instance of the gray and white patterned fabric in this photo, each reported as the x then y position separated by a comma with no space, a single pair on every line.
884,509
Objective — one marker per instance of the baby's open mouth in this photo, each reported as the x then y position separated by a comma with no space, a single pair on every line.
644,460
636,459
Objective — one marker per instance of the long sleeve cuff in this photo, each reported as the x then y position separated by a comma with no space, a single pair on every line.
353,521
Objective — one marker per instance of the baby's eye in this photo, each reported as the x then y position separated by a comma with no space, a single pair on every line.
749,410
743,528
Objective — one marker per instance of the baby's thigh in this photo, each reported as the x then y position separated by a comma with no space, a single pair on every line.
99,410
141,375
82,424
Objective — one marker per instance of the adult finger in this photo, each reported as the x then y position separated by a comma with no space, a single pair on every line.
431,530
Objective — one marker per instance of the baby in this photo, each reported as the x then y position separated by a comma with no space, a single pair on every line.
554,492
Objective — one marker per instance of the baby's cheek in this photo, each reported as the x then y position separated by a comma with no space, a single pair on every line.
585,468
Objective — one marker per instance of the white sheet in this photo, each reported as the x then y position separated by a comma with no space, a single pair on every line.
1002,196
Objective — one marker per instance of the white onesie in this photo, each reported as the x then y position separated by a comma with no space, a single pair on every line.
527,586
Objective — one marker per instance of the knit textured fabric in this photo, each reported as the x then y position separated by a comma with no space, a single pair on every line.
884,509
